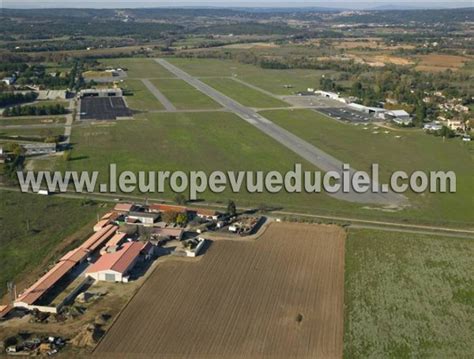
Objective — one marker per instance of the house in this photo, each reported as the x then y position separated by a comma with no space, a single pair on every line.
455,124
147,218
116,266
32,149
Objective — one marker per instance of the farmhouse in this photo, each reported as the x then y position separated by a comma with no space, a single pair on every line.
433,126
116,266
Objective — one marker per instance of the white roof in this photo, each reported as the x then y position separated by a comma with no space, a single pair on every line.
399,113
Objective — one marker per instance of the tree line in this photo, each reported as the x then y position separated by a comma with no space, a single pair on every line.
35,110
10,98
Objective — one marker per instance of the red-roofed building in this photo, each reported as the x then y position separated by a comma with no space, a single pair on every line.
124,207
101,224
114,242
30,296
208,213
100,237
115,267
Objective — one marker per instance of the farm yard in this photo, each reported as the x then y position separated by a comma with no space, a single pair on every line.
291,279
408,296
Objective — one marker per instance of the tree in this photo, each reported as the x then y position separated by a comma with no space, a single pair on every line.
180,199
231,208
420,113
181,219
169,216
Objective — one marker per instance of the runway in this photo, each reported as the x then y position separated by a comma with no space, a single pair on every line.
310,153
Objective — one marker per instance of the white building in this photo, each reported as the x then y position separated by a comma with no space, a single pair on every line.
147,218
116,266
433,126
400,117
39,148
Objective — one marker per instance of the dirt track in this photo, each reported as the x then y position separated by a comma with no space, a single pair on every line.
280,296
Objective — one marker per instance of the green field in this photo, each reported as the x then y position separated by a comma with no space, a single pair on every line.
243,94
273,81
141,99
31,226
195,141
413,151
144,68
408,296
4,121
36,134
183,96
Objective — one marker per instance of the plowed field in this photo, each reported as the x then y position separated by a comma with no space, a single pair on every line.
280,296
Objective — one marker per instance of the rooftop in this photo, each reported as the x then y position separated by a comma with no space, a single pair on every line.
123,207
119,261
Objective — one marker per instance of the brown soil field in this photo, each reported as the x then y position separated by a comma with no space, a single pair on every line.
279,296
435,62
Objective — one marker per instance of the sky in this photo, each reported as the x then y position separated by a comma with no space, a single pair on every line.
354,4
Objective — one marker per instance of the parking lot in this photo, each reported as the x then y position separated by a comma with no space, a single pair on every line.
103,108
346,114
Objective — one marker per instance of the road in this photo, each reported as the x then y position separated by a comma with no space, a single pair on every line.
159,96
310,153
352,222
